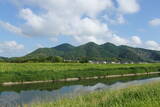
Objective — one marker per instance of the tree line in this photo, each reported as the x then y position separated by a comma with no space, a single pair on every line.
58,59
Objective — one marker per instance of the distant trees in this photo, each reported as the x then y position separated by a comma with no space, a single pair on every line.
57,59
83,60
112,59
1,60
54,59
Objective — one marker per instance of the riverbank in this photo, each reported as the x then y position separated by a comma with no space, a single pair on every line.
11,73
147,95
77,79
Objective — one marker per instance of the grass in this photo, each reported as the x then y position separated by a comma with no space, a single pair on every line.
13,72
147,95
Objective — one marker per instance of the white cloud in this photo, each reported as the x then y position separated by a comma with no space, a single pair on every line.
32,19
69,7
10,47
79,19
128,6
118,40
11,28
135,40
118,19
155,22
66,18
153,45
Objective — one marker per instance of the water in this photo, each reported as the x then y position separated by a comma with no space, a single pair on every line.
11,96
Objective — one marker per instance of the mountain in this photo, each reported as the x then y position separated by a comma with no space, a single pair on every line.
44,52
2,59
88,50
64,47
94,51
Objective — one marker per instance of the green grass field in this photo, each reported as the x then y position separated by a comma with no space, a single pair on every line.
147,95
14,72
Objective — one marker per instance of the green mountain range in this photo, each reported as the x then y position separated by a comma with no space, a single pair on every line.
2,59
93,51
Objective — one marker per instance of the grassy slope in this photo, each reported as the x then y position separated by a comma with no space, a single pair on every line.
49,71
147,95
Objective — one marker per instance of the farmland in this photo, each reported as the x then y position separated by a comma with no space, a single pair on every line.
20,72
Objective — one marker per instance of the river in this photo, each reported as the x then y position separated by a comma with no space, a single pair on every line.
11,96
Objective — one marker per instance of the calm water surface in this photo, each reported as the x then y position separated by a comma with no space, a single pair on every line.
12,96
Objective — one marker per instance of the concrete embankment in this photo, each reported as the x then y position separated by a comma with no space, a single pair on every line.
76,79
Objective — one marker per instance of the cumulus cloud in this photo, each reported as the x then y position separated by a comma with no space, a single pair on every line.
88,7
153,45
65,17
119,40
132,41
82,20
136,40
10,47
155,22
128,6
32,20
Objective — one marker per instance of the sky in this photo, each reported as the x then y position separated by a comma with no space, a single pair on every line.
26,25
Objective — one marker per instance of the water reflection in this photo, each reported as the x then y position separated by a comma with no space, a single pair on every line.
13,98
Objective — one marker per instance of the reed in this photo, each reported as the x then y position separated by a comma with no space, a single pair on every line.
13,72
147,95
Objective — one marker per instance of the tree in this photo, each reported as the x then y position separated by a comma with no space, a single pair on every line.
57,59
83,60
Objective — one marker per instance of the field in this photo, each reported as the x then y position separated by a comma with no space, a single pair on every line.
14,72
147,95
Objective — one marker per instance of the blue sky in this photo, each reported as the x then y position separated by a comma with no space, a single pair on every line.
26,25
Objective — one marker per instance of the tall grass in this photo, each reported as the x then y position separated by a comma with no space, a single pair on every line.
147,95
13,72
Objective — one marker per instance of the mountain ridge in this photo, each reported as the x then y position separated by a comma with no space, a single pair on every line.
94,51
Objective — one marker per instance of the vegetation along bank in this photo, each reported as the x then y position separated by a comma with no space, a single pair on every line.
147,95
26,72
